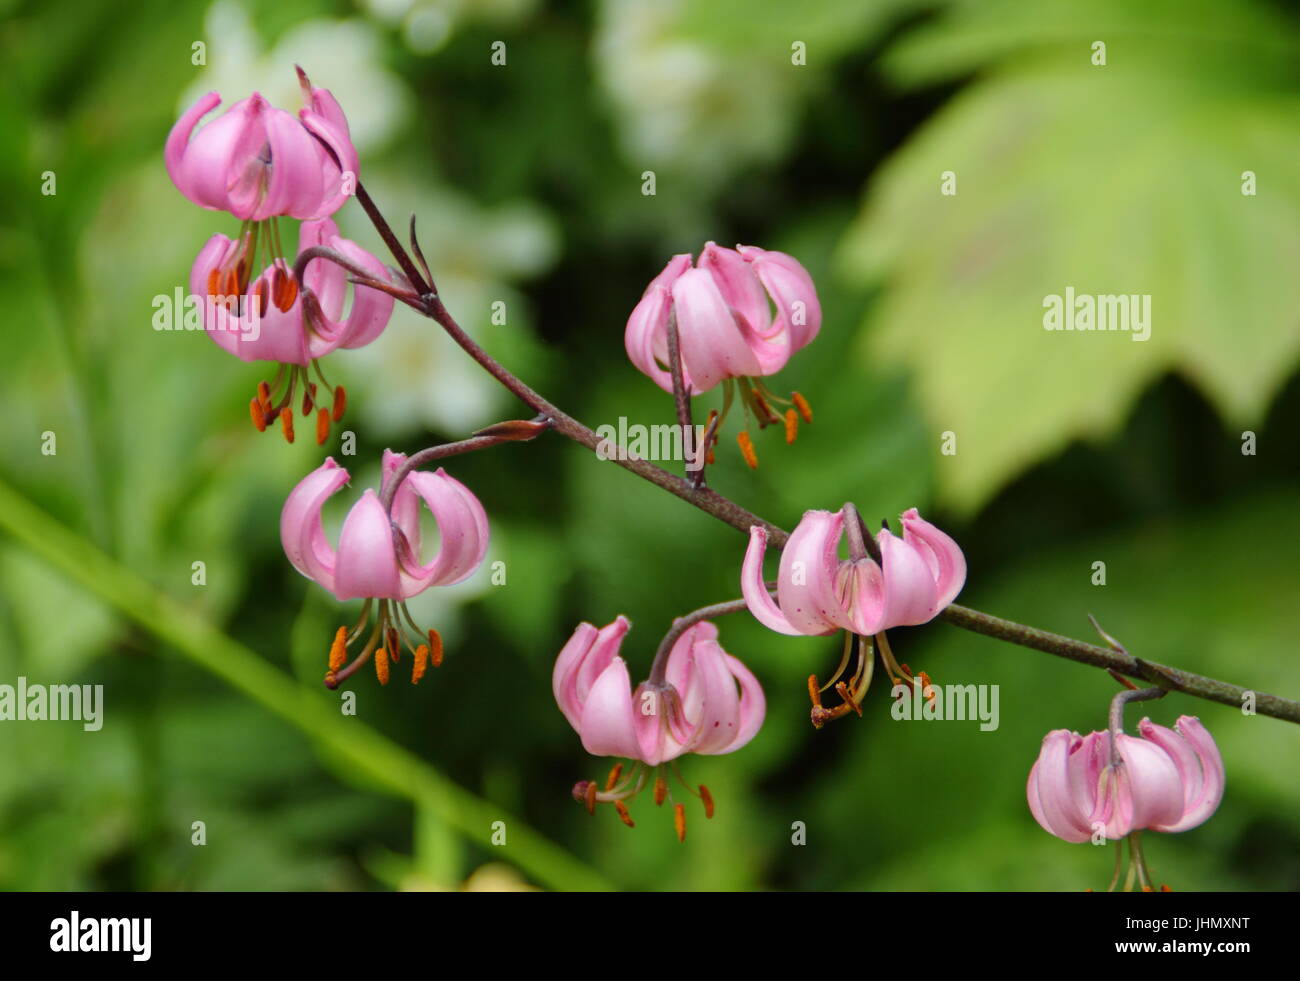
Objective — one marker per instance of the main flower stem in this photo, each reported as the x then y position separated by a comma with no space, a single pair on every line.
731,513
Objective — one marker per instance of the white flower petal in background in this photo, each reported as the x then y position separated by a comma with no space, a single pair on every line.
684,105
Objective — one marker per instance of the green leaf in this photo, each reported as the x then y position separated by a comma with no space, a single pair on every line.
1116,179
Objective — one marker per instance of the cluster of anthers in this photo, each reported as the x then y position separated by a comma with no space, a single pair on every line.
620,787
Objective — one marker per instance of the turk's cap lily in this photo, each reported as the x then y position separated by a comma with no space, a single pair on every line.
257,162
377,557
723,307
818,593
1168,780
709,703
268,318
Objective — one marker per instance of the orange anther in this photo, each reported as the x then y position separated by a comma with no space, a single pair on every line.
264,395
340,403
589,798
623,815
435,648
308,399
747,449
322,426
614,774
286,425
259,419
802,405
381,666
214,281
707,798
339,649
791,425
393,642
679,821
661,791
421,663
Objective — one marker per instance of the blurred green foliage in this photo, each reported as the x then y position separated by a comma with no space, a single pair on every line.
527,182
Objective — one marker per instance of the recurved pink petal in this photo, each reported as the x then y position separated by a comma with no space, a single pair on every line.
367,561
910,594
1199,765
582,660
1053,789
942,554
462,530
301,533
798,309
324,119
646,329
752,587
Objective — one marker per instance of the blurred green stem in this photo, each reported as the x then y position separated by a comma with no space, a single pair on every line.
369,753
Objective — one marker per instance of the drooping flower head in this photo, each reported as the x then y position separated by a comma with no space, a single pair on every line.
818,592
269,318
703,700
378,556
1168,780
727,331
258,162
907,581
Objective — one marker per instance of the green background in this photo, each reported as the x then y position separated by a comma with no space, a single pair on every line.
1071,448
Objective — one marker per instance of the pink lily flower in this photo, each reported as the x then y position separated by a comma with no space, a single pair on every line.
723,308
1169,780
819,593
257,162
707,702
270,319
724,317
378,555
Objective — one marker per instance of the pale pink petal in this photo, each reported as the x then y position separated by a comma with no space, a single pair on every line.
607,725
1052,790
367,561
586,655
646,328
942,554
738,285
712,345
910,594
798,309
1199,765
757,598
462,532
301,533
806,580
296,183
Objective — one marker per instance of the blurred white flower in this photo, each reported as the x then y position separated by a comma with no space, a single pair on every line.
340,55
683,105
